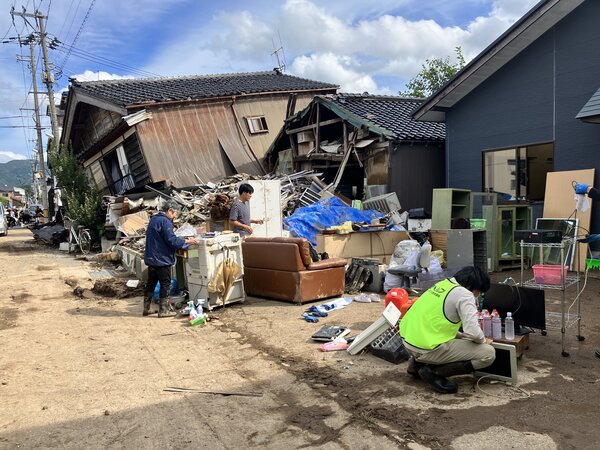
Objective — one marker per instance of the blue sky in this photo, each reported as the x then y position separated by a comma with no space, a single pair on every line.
371,46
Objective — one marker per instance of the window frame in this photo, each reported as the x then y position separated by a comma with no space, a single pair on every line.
264,127
520,155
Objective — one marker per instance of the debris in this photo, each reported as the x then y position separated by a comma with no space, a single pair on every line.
132,283
224,393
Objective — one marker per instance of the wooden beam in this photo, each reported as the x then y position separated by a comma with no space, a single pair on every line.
318,129
313,126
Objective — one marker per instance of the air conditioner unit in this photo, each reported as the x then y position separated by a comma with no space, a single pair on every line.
385,203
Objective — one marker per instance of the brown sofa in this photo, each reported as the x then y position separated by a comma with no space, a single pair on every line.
282,269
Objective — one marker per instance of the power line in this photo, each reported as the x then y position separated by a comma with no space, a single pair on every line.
87,14
66,17
100,59
73,18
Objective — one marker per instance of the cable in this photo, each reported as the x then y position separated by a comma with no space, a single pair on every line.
87,14
514,388
105,61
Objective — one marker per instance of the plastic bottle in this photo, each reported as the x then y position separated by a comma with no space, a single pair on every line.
509,327
480,319
496,325
487,323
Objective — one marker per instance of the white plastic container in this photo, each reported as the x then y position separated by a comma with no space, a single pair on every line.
509,327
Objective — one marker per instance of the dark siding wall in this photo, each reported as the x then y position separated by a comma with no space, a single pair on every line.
532,99
415,170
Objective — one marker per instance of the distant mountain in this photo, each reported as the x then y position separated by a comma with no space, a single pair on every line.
15,173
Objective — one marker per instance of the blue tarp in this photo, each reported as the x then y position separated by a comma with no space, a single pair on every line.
307,221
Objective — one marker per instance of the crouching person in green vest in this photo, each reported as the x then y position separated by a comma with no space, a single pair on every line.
430,331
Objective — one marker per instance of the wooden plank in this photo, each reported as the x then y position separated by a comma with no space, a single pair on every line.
312,126
559,200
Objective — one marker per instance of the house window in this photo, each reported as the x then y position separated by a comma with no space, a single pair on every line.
257,124
518,172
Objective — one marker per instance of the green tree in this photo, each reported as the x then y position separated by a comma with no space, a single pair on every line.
82,201
433,74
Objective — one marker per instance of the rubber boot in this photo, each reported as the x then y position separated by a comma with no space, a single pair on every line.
147,303
437,382
454,368
163,308
413,367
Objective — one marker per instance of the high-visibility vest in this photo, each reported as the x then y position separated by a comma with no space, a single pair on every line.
425,325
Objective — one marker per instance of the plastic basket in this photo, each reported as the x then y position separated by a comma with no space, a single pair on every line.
478,224
548,273
389,346
592,264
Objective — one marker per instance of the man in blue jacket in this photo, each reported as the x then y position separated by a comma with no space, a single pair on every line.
159,256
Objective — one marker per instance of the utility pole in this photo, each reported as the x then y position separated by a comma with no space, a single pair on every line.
38,124
47,75
48,78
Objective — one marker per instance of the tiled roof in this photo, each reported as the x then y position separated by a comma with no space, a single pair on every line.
591,109
156,90
391,113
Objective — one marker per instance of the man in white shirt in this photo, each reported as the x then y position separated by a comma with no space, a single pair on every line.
430,330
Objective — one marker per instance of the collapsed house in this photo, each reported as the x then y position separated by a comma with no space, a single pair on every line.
351,138
180,131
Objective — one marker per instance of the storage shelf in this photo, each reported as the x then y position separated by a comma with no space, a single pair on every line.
570,280
565,242
554,319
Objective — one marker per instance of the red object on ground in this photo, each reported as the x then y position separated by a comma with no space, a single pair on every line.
406,306
397,296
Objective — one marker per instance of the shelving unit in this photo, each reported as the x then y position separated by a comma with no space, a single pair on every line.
501,222
449,204
562,319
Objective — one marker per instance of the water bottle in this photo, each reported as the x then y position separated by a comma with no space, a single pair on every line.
509,327
496,325
487,323
480,319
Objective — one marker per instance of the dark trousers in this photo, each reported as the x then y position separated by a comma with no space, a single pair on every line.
160,275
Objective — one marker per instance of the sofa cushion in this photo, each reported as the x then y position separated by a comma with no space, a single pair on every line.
268,255
303,245
327,263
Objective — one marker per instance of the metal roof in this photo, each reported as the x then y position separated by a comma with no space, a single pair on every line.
591,110
139,91
541,18
386,115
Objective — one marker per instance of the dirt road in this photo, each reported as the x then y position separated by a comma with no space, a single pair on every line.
91,373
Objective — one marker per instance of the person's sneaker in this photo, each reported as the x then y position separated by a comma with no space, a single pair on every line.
438,383
413,367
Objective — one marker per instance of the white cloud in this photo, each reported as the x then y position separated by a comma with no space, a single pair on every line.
6,156
341,70
88,75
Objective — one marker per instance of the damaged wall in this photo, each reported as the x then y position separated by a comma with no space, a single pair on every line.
188,144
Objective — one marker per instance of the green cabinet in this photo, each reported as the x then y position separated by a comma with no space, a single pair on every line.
449,204
502,221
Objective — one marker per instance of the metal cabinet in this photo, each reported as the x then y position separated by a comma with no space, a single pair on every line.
501,222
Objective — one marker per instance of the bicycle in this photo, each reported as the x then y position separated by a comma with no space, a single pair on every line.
78,235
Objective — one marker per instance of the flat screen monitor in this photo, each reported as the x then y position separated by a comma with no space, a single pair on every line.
527,305
504,366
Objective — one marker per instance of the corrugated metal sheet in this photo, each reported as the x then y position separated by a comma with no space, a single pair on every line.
182,145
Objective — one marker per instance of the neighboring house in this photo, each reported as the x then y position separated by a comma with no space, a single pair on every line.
382,142
181,131
516,112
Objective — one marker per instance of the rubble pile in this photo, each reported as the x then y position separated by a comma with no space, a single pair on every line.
212,201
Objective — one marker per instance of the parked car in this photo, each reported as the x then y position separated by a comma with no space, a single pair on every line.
3,221
33,209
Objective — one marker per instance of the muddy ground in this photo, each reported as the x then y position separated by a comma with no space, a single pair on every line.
90,372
